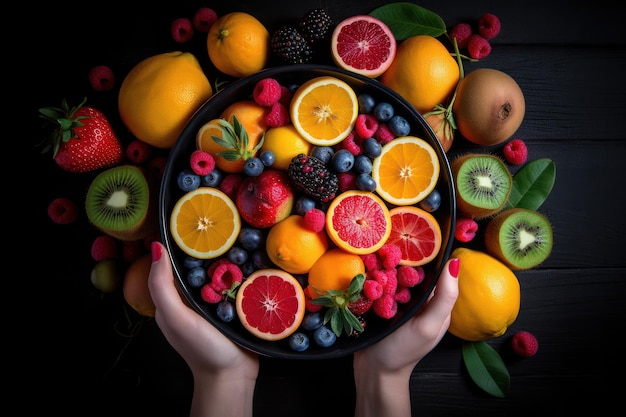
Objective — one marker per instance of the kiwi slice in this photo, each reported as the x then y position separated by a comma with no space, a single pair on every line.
520,238
118,203
483,184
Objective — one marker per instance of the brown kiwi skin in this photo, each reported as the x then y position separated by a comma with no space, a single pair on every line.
148,225
465,207
492,241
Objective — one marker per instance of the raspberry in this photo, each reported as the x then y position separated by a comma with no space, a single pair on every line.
346,181
138,151
524,344
277,115
515,152
211,269
209,295
372,289
360,306
202,163
478,47
489,26
391,284
230,183
132,250
315,220
379,276
225,275
403,295
285,95
366,125
204,18
386,306
390,255
266,92
465,229
101,78
371,261
409,276
349,143
384,134
308,304
104,247
63,210
182,30
461,32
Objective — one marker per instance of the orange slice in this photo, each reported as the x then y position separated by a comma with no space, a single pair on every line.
417,233
358,222
205,223
406,171
324,110
270,304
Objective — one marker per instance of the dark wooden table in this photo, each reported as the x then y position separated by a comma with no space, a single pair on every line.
569,61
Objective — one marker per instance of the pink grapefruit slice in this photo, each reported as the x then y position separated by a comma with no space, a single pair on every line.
363,44
270,304
417,233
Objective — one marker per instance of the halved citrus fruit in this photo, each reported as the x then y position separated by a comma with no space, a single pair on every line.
324,110
358,222
270,304
363,44
205,223
417,233
406,171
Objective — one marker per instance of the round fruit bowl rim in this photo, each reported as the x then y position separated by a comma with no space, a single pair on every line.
376,328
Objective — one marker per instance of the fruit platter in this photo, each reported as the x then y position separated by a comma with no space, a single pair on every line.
267,202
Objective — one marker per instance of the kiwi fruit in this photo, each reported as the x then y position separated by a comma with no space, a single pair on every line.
119,202
483,184
520,238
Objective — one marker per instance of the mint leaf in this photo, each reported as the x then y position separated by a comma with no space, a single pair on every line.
532,184
407,19
486,368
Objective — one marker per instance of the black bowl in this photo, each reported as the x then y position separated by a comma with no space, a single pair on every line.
377,328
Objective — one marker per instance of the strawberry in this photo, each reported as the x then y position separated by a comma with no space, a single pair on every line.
83,139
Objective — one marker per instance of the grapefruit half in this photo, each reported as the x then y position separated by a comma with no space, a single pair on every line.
417,233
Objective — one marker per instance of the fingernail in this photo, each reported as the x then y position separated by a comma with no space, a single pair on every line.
453,267
156,251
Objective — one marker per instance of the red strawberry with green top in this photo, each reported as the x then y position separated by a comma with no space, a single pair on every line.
83,139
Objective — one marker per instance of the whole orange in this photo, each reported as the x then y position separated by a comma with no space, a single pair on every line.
160,94
489,297
334,270
423,72
238,44
294,247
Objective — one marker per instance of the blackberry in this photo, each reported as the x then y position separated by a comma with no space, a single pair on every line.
316,26
311,176
290,46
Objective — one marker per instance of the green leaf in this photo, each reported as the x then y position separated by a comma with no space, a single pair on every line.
486,368
407,19
532,184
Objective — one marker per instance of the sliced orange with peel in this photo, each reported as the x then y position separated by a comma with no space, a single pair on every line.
205,223
417,233
406,171
324,110
358,222
270,304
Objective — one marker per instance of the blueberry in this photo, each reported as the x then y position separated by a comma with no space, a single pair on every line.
225,311
323,153
366,103
268,158
432,201
324,337
371,147
365,182
188,180
247,268
196,276
383,112
342,161
362,164
213,179
399,125
312,321
304,203
237,255
260,259
299,342
250,238
190,262
253,167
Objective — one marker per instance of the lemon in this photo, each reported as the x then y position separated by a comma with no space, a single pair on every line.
285,142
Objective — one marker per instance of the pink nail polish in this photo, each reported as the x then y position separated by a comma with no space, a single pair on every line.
453,267
156,251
